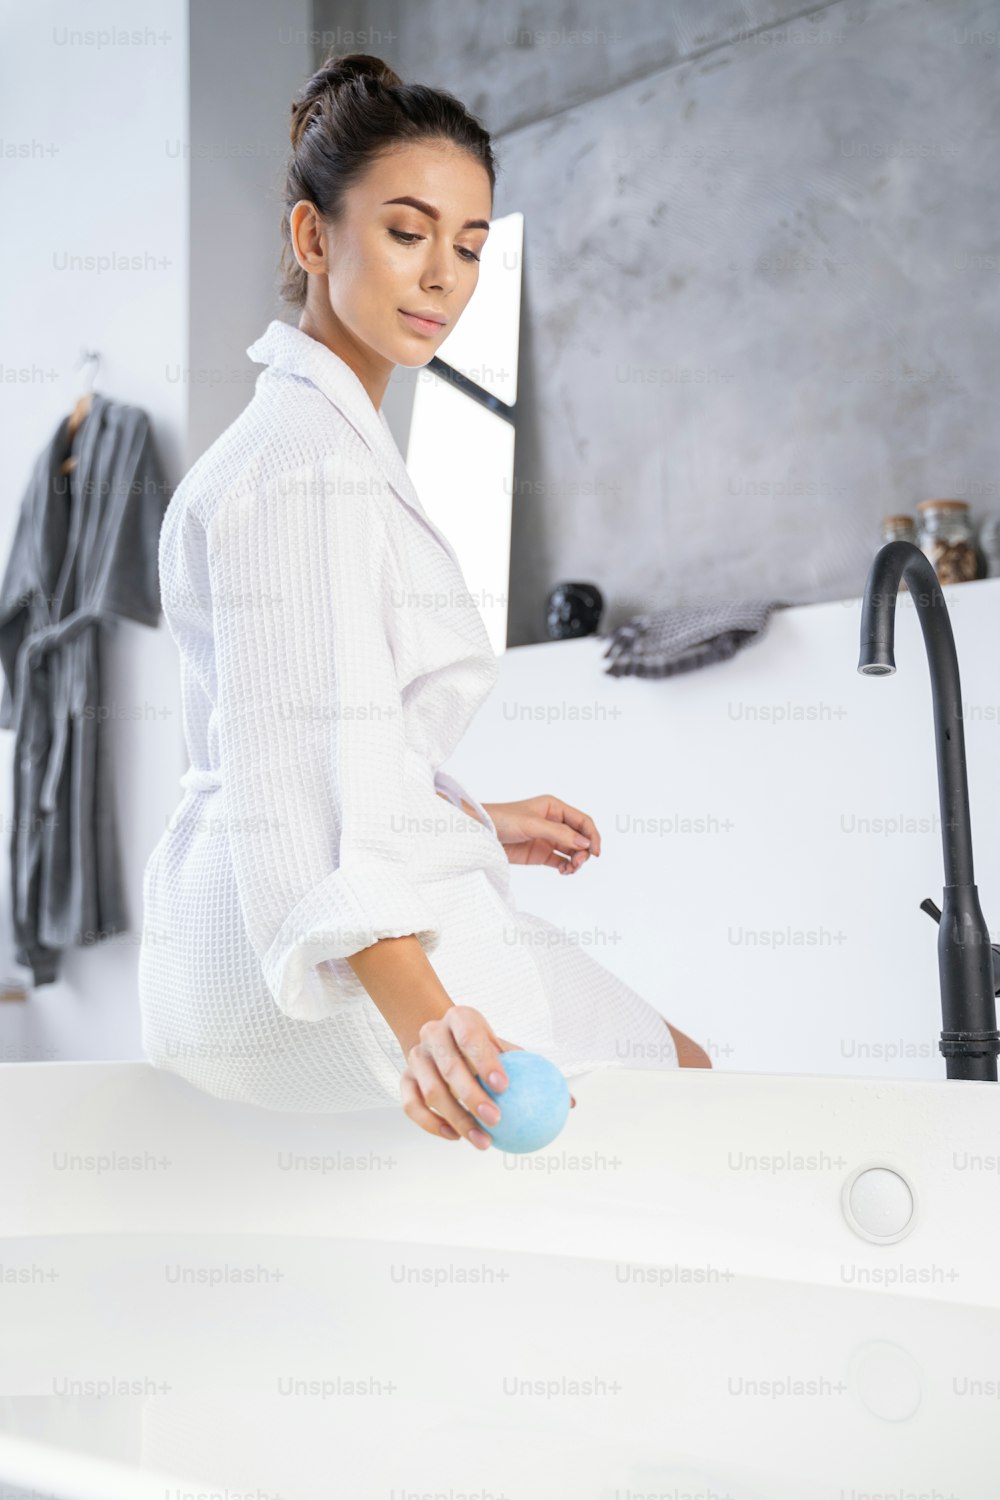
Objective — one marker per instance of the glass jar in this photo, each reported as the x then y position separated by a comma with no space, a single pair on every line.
899,529
989,545
946,537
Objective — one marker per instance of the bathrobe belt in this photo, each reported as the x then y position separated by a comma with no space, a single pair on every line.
208,779
65,644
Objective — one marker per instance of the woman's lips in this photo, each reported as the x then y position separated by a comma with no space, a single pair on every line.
422,325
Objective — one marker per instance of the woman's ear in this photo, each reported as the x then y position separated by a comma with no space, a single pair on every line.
308,237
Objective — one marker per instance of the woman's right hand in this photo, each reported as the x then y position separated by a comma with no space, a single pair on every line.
438,1086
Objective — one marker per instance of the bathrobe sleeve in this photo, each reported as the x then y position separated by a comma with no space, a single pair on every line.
19,583
132,588
312,744
457,794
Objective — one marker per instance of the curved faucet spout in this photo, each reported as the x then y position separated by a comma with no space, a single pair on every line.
878,623
969,1040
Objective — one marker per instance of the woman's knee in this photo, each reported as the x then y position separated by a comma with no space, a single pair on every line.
689,1054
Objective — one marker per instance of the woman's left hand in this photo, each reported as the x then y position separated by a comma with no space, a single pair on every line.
545,831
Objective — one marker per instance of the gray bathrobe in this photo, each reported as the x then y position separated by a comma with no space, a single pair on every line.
84,553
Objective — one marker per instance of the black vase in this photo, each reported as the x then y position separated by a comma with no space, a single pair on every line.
573,609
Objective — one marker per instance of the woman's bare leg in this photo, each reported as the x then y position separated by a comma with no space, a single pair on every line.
689,1054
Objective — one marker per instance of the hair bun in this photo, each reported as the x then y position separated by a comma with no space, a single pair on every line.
359,65
336,73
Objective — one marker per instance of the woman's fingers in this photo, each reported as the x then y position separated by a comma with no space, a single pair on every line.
477,1050
552,844
439,1089
438,1096
501,1042
565,859
416,1110
478,1043
573,860
450,1051
581,823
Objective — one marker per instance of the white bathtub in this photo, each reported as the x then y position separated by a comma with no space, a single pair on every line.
205,1297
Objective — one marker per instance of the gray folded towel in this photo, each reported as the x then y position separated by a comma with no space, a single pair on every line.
682,637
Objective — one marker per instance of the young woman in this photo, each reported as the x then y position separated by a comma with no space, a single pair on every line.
328,922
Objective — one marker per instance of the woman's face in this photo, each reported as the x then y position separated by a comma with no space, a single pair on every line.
387,259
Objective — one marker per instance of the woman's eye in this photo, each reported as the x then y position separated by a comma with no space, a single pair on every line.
409,239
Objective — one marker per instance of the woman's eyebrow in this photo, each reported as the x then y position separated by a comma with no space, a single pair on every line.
434,213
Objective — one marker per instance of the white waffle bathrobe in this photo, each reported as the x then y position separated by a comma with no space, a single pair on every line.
331,659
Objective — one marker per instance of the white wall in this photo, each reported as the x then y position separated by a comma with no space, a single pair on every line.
98,97
132,148
783,931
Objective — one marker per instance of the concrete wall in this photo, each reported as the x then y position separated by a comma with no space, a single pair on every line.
761,290
248,59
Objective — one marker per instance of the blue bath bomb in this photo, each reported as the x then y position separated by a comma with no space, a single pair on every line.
533,1107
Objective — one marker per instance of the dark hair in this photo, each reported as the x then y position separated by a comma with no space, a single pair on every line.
351,110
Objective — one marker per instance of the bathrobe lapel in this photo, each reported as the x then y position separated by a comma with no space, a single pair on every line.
287,348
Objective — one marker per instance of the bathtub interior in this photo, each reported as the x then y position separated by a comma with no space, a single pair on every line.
301,1306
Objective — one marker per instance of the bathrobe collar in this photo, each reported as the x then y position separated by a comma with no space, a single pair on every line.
285,347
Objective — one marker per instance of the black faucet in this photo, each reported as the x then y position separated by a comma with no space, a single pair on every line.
967,961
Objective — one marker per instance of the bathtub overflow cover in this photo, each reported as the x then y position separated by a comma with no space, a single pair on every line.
878,1204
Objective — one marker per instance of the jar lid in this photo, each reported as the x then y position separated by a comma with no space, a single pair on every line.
943,504
897,520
